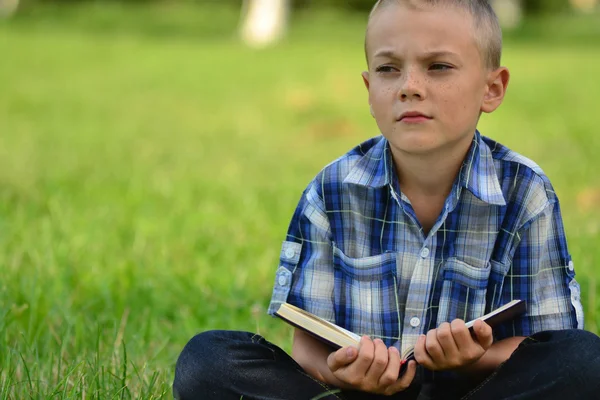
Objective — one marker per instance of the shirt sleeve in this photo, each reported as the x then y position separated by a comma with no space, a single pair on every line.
543,275
305,276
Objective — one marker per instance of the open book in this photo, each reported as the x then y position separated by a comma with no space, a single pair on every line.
338,337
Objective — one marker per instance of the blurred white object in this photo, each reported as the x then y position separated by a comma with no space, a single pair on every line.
264,21
510,12
585,5
8,7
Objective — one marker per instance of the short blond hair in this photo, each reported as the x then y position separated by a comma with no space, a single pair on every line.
488,34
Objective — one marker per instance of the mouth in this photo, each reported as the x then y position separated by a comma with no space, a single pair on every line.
413,117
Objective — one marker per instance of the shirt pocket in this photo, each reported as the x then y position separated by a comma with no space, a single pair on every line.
464,291
365,295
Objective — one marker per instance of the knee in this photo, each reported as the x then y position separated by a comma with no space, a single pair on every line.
194,354
191,364
202,360
587,345
578,341
583,349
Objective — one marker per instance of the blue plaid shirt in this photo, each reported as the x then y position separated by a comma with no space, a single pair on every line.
356,255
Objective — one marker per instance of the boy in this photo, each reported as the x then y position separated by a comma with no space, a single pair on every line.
414,232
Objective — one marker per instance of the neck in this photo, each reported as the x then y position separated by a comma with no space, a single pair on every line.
430,175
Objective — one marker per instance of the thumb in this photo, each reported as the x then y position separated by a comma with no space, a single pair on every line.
483,332
341,358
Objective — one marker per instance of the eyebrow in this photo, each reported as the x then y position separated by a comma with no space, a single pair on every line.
426,56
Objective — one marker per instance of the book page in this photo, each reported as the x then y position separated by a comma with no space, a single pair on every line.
322,321
337,327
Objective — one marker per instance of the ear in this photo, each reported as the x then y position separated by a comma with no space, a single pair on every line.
495,89
365,76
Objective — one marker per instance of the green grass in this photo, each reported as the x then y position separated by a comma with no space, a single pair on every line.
149,167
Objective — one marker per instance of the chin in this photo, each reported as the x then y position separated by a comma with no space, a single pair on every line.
419,150
414,144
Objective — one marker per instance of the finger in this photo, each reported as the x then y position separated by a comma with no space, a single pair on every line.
390,375
446,341
380,361
433,347
366,354
462,335
341,358
484,334
404,382
421,355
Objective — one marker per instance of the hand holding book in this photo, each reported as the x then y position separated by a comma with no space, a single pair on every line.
453,346
492,319
338,337
372,368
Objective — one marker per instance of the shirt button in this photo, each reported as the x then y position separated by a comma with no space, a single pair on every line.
290,253
415,322
282,280
425,252
571,266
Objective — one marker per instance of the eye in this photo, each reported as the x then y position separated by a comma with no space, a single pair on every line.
440,67
385,69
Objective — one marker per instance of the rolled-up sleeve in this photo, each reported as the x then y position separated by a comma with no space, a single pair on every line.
543,274
305,275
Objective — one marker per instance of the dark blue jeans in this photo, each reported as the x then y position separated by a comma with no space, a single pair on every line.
227,365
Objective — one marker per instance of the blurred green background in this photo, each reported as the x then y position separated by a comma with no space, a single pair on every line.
150,163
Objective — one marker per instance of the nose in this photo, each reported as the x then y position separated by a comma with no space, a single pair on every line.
411,87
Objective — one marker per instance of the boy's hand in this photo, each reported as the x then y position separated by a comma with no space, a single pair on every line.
372,368
451,346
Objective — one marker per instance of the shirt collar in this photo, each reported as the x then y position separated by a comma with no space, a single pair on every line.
374,168
478,175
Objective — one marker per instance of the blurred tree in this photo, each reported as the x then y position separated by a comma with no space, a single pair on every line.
510,12
544,6
585,5
8,7
263,21
530,6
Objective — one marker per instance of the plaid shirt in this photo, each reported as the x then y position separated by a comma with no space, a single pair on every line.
356,255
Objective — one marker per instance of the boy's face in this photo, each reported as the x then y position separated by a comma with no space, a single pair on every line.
425,62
